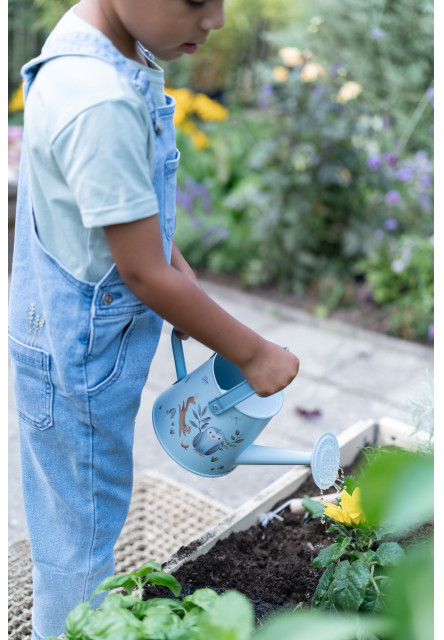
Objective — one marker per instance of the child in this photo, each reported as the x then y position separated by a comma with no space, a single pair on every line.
94,273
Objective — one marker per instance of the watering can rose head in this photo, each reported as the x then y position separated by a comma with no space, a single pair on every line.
349,511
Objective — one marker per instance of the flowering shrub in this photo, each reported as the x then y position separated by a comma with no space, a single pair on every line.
312,196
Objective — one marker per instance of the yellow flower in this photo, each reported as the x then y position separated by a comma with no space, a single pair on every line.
208,109
312,71
200,140
17,102
349,91
291,56
280,74
349,511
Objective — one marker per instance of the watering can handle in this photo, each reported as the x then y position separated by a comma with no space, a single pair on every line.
179,358
231,398
223,402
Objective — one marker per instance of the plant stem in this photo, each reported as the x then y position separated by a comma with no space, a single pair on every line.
414,120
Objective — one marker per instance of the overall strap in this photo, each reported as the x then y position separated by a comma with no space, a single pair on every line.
93,46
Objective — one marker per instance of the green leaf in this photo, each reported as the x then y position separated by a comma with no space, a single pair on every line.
323,585
165,580
118,601
328,555
147,568
373,602
230,618
119,580
397,490
319,625
114,625
77,620
171,603
313,507
411,602
347,590
389,554
202,598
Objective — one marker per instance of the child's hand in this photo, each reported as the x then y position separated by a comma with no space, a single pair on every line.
271,369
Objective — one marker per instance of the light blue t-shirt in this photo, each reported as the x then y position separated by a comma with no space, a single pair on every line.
89,138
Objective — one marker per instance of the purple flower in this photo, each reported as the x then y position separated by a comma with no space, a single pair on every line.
15,133
378,33
431,95
397,266
265,93
379,234
184,199
334,68
374,161
406,174
426,181
392,197
391,224
391,159
431,332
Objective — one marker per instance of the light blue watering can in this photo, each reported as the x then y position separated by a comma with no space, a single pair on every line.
208,420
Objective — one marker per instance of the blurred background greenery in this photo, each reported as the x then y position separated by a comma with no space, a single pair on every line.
316,180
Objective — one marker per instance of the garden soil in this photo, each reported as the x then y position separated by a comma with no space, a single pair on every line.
270,565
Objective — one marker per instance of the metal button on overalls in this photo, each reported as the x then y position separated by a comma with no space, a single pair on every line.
107,298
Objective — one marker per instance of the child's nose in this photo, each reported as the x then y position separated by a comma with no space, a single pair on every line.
215,20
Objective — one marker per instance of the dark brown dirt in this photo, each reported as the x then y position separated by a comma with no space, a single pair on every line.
270,565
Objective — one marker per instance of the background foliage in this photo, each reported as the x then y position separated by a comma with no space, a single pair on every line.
320,181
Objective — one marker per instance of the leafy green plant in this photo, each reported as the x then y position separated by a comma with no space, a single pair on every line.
400,273
396,489
203,614
358,582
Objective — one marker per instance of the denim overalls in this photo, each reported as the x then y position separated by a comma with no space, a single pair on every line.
80,355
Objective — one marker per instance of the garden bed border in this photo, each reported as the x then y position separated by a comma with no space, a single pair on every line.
386,431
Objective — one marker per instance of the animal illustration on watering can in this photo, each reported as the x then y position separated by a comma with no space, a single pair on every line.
209,441
184,429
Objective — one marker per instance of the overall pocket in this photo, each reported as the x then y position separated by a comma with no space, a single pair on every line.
107,350
169,221
32,385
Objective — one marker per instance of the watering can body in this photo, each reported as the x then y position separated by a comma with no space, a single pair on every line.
208,421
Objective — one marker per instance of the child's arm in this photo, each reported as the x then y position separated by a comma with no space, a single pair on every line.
137,250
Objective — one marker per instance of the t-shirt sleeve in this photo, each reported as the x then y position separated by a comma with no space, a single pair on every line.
104,156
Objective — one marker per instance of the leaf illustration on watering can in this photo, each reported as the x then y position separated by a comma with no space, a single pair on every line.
172,431
237,432
214,458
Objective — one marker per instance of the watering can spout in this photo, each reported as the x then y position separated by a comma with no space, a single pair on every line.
324,459
256,454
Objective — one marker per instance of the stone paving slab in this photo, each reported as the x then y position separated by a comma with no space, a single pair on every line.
347,373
